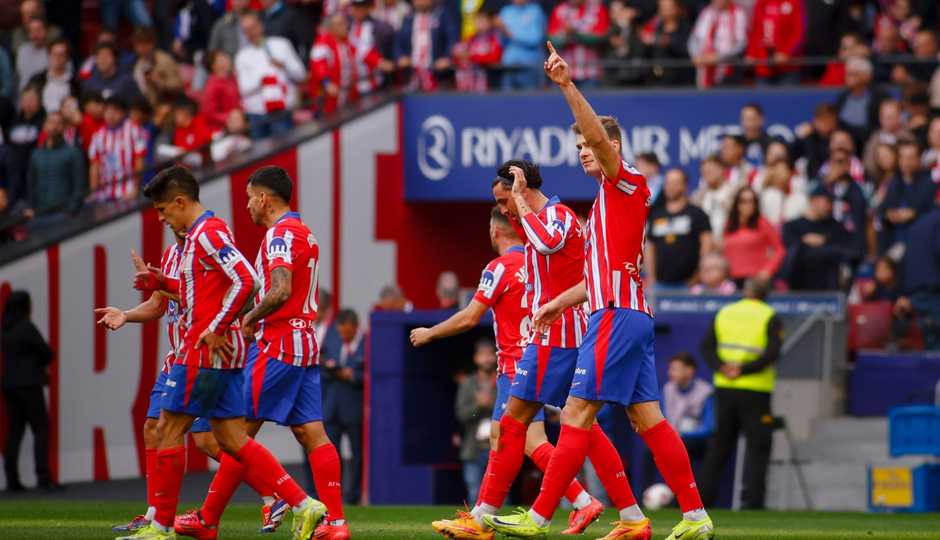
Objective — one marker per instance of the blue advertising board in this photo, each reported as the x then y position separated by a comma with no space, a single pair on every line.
454,142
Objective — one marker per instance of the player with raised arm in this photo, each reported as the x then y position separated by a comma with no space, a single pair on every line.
282,375
215,283
502,290
616,363
554,262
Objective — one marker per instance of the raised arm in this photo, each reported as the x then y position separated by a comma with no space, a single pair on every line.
595,137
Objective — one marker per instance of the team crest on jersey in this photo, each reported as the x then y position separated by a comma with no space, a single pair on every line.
559,224
277,249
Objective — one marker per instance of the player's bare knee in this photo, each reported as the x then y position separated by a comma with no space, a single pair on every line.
579,412
535,437
207,444
645,415
311,435
522,410
151,433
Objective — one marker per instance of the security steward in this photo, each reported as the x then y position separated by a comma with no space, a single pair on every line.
742,348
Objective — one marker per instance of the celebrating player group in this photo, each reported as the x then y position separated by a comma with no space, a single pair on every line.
589,342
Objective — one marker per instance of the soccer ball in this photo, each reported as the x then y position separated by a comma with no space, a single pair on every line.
657,496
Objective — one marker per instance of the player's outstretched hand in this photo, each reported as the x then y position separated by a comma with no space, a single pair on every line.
519,182
139,264
556,68
546,315
420,337
217,345
112,318
150,279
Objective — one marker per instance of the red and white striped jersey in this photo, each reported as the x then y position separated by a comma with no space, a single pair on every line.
214,284
289,334
554,252
114,150
589,18
170,265
615,239
502,288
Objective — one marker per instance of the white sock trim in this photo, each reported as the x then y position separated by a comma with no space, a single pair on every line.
481,510
302,506
268,500
631,513
539,520
582,500
151,512
695,515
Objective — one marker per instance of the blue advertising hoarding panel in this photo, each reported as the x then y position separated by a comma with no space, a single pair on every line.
454,142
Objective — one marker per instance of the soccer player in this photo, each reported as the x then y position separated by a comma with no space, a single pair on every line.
616,363
282,375
214,285
502,289
554,262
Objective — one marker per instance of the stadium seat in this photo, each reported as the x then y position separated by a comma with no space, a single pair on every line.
869,325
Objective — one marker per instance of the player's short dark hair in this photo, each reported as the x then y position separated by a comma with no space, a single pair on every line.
274,179
532,174
611,127
116,102
169,183
649,157
347,316
755,106
686,358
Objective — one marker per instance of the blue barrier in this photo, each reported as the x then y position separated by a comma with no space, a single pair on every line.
880,381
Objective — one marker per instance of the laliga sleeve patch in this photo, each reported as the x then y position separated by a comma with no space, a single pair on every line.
278,249
228,256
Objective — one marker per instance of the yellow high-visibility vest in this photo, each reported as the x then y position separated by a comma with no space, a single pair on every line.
741,332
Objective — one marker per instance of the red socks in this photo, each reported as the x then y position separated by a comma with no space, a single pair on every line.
672,460
223,486
151,466
258,460
505,462
484,482
327,471
257,482
168,477
541,456
564,465
609,468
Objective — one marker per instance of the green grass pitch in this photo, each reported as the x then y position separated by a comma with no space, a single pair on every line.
64,520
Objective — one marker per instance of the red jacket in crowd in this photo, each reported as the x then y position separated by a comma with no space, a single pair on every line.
196,135
472,56
776,27
219,98
578,32
334,61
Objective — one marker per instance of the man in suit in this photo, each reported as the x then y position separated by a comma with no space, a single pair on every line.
342,359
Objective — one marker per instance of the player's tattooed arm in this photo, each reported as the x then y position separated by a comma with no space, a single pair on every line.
279,292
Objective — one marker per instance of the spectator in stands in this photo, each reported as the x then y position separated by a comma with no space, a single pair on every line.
522,24
755,136
890,129
825,19
474,56
782,191
885,285
190,136
925,55
476,396
842,145
931,158
23,134
116,155
30,10
812,138
578,29
860,102
392,12
334,65
141,115
126,58
751,245
688,403
11,217
738,171
424,42
191,31
850,207
92,117
817,247
107,78
344,364
232,140
777,30
58,82
32,57
391,298
267,70
679,235
27,356
666,37
886,167
448,291
624,46
714,195
713,277
369,34
850,45
648,165
226,34
888,43
56,182
909,195
156,73
7,77
720,34
135,11
220,95
286,21
916,113
921,278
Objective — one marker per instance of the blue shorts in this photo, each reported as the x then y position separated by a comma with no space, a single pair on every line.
617,362
279,392
503,382
205,392
156,396
544,374
200,425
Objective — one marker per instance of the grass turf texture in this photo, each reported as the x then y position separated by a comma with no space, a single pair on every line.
62,520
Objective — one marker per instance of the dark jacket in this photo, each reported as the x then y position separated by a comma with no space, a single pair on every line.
343,402
918,196
21,142
56,181
861,134
287,22
815,148
469,413
921,266
671,46
443,36
121,84
809,268
850,208
25,352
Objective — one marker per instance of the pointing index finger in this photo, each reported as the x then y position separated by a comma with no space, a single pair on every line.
551,48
